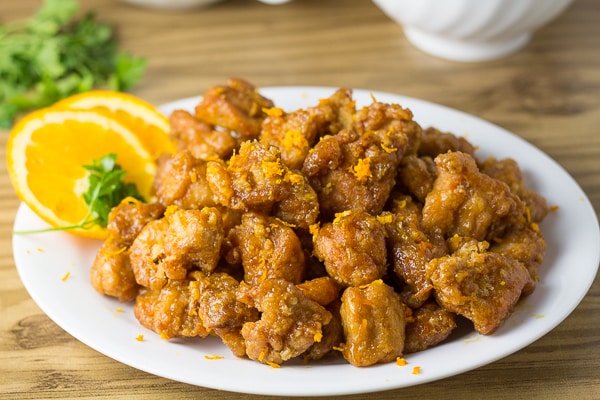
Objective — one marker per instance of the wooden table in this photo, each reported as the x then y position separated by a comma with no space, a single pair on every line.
548,93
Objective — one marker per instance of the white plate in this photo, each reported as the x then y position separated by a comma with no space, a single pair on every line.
567,273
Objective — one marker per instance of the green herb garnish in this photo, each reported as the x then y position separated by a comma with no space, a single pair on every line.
52,55
106,190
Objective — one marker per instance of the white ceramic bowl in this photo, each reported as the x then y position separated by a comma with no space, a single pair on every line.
186,4
274,2
471,30
172,4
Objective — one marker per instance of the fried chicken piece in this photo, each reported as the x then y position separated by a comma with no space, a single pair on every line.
292,133
111,273
300,208
507,170
374,321
171,311
269,249
480,285
236,106
353,248
428,326
410,249
386,120
220,312
332,337
348,171
181,180
199,305
356,168
468,203
289,325
221,185
527,245
257,180
416,176
324,290
295,133
126,220
202,140
434,142
167,248
231,260
335,112
218,304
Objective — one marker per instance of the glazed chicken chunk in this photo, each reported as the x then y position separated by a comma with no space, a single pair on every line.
507,170
168,247
289,325
111,273
428,326
434,142
324,290
353,248
525,244
335,112
356,168
256,180
172,310
478,284
468,203
221,313
268,249
374,322
292,133
201,139
126,220
181,180
416,176
296,132
332,336
390,122
198,305
236,106
410,249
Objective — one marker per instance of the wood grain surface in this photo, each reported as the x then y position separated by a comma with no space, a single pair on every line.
548,93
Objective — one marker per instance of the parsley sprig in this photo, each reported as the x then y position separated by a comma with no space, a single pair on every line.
54,54
106,190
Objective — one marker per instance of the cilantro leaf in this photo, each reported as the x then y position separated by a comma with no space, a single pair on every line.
53,55
106,188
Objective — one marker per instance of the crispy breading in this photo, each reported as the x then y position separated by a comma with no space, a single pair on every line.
326,230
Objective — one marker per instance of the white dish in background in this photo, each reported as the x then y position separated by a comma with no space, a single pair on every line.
173,5
109,327
274,2
471,30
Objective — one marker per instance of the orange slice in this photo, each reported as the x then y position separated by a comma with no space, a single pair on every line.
149,124
46,151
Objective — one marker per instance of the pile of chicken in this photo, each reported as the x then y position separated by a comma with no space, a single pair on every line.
331,228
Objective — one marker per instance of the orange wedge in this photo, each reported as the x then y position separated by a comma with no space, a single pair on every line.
148,124
46,151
